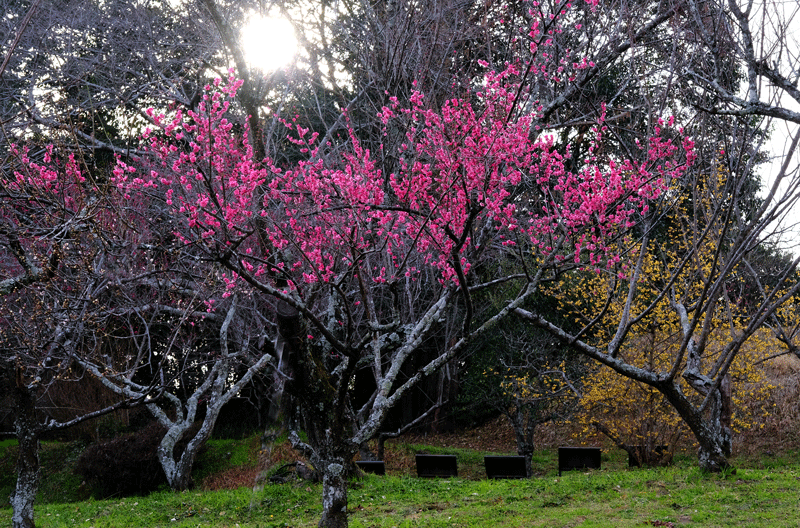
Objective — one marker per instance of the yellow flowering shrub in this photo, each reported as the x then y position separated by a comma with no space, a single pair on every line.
633,413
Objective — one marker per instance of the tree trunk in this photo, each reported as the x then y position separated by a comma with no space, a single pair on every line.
381,447
712,457
528,454
178,469
334,496
180,478
523,434
715,443
25,426
178,474
183,469
711,430
323,417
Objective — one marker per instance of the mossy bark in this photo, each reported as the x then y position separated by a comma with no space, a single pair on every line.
711,428
25,426
323,416
334,498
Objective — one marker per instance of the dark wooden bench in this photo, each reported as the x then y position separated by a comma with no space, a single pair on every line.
505,467
376,467
570,458
436,466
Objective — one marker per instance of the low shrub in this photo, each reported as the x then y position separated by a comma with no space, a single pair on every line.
127,465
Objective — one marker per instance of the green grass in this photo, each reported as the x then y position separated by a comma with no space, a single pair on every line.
62,485
57,460
8,457
219,455
762,493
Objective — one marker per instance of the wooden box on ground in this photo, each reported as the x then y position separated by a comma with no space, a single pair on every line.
505,467
578,458
436,466
376,467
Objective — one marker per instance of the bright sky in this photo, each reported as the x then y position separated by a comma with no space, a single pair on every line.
269,42
778,36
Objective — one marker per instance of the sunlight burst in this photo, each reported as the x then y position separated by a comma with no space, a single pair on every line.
269,42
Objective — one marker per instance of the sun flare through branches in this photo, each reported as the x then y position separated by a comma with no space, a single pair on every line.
269,42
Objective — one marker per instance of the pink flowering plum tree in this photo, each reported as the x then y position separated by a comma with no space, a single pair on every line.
364,267
93,287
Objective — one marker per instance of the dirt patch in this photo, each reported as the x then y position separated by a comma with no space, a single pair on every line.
231,478
495,436
237,477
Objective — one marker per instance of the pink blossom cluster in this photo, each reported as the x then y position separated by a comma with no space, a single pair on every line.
211,183
329,212
459,174
463,161
63,178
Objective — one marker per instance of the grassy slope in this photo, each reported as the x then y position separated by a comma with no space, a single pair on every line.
763,492
223,461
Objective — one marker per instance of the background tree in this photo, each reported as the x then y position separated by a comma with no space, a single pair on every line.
522,373
60,263
220,382
62,85
532,383
766,51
